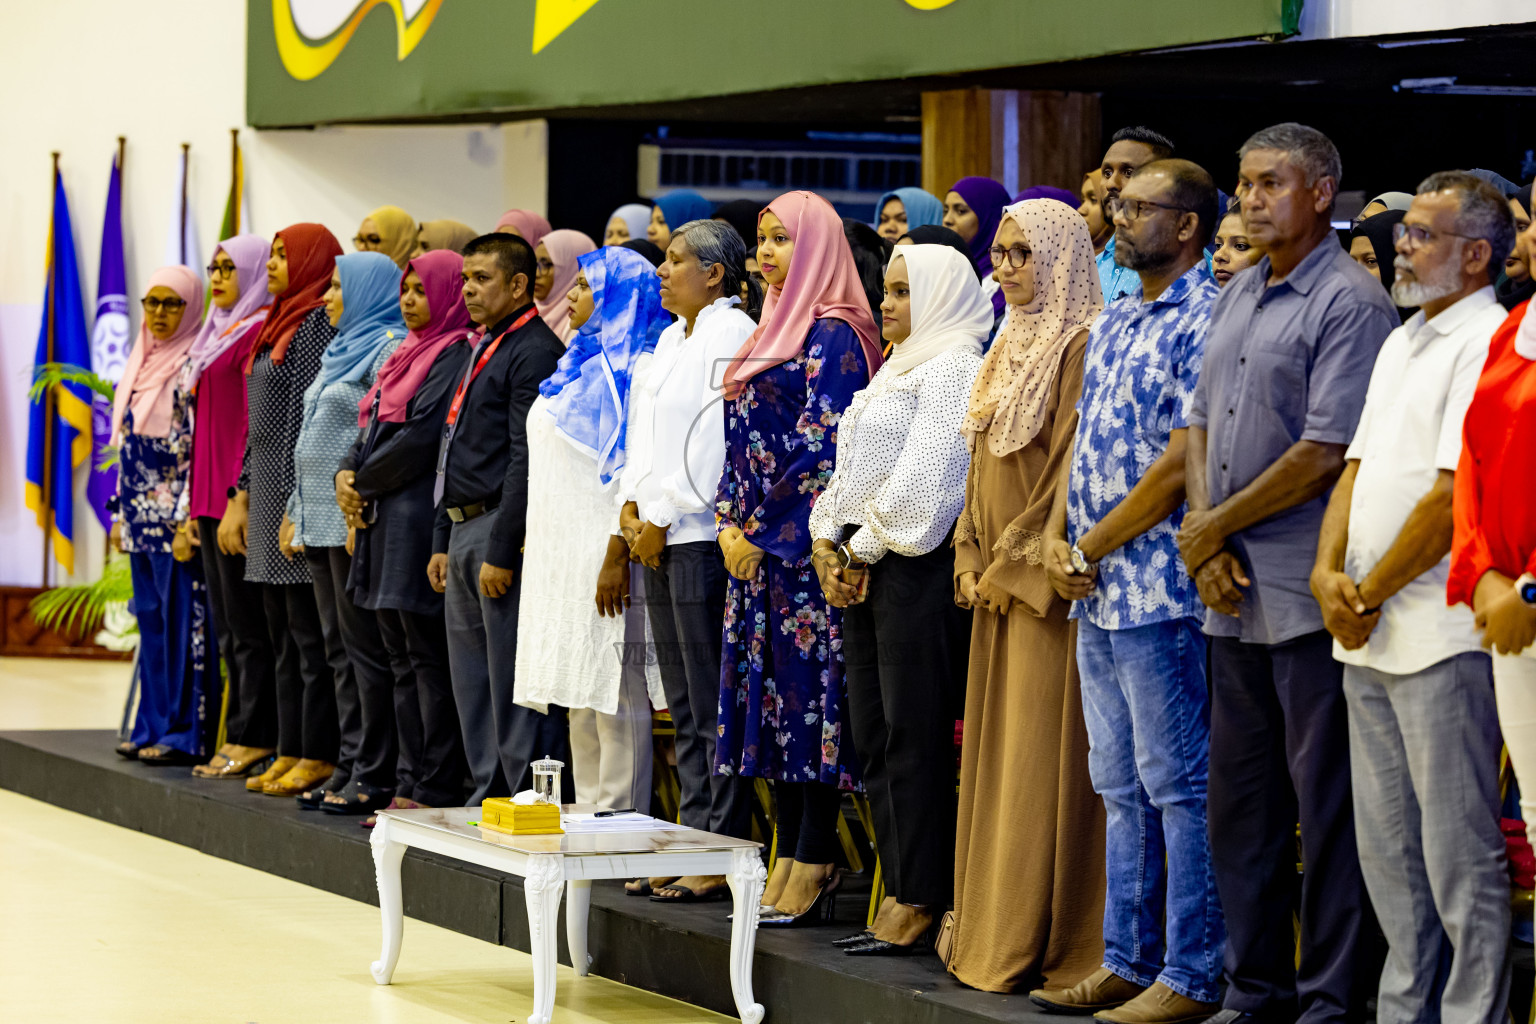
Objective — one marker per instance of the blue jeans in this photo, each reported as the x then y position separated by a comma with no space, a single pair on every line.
1148,715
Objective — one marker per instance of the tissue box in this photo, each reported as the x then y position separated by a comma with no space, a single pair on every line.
502,815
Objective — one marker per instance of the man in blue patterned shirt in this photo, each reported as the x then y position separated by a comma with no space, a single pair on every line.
1140,652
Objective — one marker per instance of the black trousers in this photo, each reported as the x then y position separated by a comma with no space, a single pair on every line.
685,602
365,684
905,649
805,817
245,644
1279,754
430,768
306,695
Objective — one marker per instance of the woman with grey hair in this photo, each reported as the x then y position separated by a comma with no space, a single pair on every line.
667,493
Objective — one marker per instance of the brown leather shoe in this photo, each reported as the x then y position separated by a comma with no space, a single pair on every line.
306,775
282,766
1159,1005
1101,990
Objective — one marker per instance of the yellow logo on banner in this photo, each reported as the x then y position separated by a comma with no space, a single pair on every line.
929,5
306,60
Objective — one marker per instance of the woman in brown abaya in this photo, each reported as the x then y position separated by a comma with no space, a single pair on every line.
1029,851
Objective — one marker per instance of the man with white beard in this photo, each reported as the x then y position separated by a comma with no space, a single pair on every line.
1423,729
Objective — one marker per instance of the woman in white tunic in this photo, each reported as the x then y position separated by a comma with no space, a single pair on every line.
588,654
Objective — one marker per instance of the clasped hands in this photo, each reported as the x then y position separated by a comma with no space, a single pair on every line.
829,570
1218,575
742,557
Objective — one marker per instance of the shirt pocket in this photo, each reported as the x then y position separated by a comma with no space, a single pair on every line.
1277,381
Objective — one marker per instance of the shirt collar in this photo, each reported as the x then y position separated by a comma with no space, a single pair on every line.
1452,318
502,325
1306,273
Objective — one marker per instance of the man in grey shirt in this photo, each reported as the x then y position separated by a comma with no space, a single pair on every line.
1289,354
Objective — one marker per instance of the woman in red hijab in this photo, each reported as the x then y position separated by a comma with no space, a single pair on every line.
781,688
283,362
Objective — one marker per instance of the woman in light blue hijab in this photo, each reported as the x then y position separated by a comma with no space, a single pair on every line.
577,430
903,209
626,224
363,304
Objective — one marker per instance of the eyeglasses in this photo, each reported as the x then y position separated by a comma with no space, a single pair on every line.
1419,235
221,270
156,305
545,266
1016,257
1134,208
365,242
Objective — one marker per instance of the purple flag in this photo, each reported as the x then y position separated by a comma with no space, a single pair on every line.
109,340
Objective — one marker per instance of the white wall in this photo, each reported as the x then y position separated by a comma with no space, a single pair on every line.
1338,19
78,73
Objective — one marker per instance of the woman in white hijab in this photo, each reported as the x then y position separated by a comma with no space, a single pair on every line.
882,551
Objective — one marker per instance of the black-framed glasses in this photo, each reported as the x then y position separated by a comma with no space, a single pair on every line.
545,266
364,242
152,305
225,269
1016,256
1134,208
1419,235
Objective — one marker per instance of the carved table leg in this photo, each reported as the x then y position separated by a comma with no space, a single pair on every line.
542,888
578,898
746,879
386,869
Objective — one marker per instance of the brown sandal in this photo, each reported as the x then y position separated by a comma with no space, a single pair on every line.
234,768
307,774
282,766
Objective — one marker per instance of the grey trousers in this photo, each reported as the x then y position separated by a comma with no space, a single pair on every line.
501,738
1424,749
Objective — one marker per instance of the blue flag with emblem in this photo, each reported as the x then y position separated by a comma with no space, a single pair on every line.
109,340
59,430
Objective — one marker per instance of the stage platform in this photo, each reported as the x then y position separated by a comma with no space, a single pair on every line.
678,951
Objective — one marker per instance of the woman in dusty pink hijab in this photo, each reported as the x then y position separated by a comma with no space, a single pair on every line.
152,425
524,223
781,690
556,254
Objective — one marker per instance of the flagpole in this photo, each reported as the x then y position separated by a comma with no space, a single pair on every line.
234,165
186,169
47,492
122,159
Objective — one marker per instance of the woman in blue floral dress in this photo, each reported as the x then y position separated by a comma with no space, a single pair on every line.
781,673
152,425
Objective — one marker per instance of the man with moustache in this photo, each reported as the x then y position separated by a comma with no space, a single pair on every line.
1423,728
482,503
1129,149
1140,652
1287,359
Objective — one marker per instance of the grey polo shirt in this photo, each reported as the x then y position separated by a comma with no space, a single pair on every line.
1284,363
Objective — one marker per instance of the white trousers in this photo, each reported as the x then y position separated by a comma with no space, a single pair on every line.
611,754
1514,687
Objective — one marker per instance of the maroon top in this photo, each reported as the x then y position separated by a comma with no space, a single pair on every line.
218,438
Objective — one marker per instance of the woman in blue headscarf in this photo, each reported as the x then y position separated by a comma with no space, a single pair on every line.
672,211
590,657
903,209
363,304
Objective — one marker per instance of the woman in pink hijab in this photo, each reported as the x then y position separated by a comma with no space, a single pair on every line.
524,223
781,690
556,276
152,425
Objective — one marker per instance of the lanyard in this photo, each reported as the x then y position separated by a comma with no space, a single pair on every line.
451,424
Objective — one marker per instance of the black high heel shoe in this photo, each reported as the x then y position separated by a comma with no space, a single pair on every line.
819,912
856,939
879,947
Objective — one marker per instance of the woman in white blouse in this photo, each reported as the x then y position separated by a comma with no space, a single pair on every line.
882,550
667,491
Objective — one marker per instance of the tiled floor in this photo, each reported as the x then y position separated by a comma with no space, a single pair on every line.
99,923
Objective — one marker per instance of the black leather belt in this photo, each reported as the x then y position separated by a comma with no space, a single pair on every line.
475,511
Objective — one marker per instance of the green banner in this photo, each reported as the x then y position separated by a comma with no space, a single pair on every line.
318,61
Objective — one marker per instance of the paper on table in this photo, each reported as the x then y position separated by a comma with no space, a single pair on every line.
617,823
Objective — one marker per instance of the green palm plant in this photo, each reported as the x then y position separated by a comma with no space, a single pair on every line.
79,609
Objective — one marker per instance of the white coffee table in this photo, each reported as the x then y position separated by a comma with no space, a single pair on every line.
574,859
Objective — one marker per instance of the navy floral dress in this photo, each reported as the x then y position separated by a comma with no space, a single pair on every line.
177,676
781,674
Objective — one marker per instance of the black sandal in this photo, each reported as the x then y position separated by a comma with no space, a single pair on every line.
162,754
688,895
357,798
127,749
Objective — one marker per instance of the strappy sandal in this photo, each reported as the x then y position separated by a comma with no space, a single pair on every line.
687,895
127,749
354,798
276,770
306,775
234,768
163,755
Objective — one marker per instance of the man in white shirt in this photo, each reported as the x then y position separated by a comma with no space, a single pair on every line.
1423,730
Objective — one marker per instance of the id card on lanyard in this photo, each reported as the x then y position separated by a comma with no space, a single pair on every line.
450,426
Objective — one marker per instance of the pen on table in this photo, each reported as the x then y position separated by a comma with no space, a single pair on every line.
609,814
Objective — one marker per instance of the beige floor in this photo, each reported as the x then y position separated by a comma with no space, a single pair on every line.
99,923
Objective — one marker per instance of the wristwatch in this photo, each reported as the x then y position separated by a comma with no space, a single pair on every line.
1525,586
848,559
230,494
1080,563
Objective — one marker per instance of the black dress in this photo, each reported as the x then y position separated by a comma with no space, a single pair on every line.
395,465
275,396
